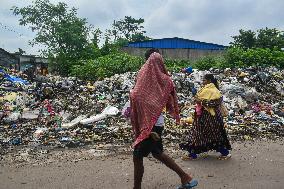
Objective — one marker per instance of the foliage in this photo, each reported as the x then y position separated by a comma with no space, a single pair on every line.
175,65
208,62
124,31
238,57
270,38
128,28
87,70
117,63
263,38
68,43
246,39
20,52
58,28
106,66
139,37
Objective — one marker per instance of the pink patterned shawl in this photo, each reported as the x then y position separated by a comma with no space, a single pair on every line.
153,91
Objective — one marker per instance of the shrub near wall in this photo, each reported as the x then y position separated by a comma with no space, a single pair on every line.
117,63
106,66
175,65
237,57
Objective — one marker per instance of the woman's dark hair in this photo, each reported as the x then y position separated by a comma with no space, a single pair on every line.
150,51
212,79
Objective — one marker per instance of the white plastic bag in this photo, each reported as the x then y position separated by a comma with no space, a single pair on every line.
74,122
93,119
108,111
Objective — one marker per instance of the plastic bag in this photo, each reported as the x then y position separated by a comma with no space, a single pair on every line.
108,111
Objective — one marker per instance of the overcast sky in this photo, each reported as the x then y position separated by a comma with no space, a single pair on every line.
202,20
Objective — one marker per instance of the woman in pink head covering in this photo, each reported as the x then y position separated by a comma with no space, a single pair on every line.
154,90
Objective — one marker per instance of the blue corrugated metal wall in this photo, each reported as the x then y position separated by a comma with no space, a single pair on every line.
175,43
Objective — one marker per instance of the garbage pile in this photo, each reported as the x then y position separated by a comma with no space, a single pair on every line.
254,98
66,112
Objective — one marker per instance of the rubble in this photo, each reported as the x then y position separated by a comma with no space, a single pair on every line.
59,112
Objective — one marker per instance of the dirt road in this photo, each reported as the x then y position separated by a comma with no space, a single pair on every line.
254,165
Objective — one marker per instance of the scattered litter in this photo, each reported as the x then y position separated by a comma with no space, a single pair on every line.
66,112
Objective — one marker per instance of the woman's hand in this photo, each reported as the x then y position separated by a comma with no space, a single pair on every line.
196,100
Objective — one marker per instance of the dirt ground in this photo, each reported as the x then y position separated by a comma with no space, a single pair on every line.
254,165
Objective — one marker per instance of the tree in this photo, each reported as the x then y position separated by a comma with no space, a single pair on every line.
58,29
139,37
128,28
92,51
110,47
270,38
246,39
20,51
96,37
263,38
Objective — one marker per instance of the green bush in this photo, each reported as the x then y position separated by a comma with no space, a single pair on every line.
87,70
238,57
106,66
206,63
118,62
175,65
